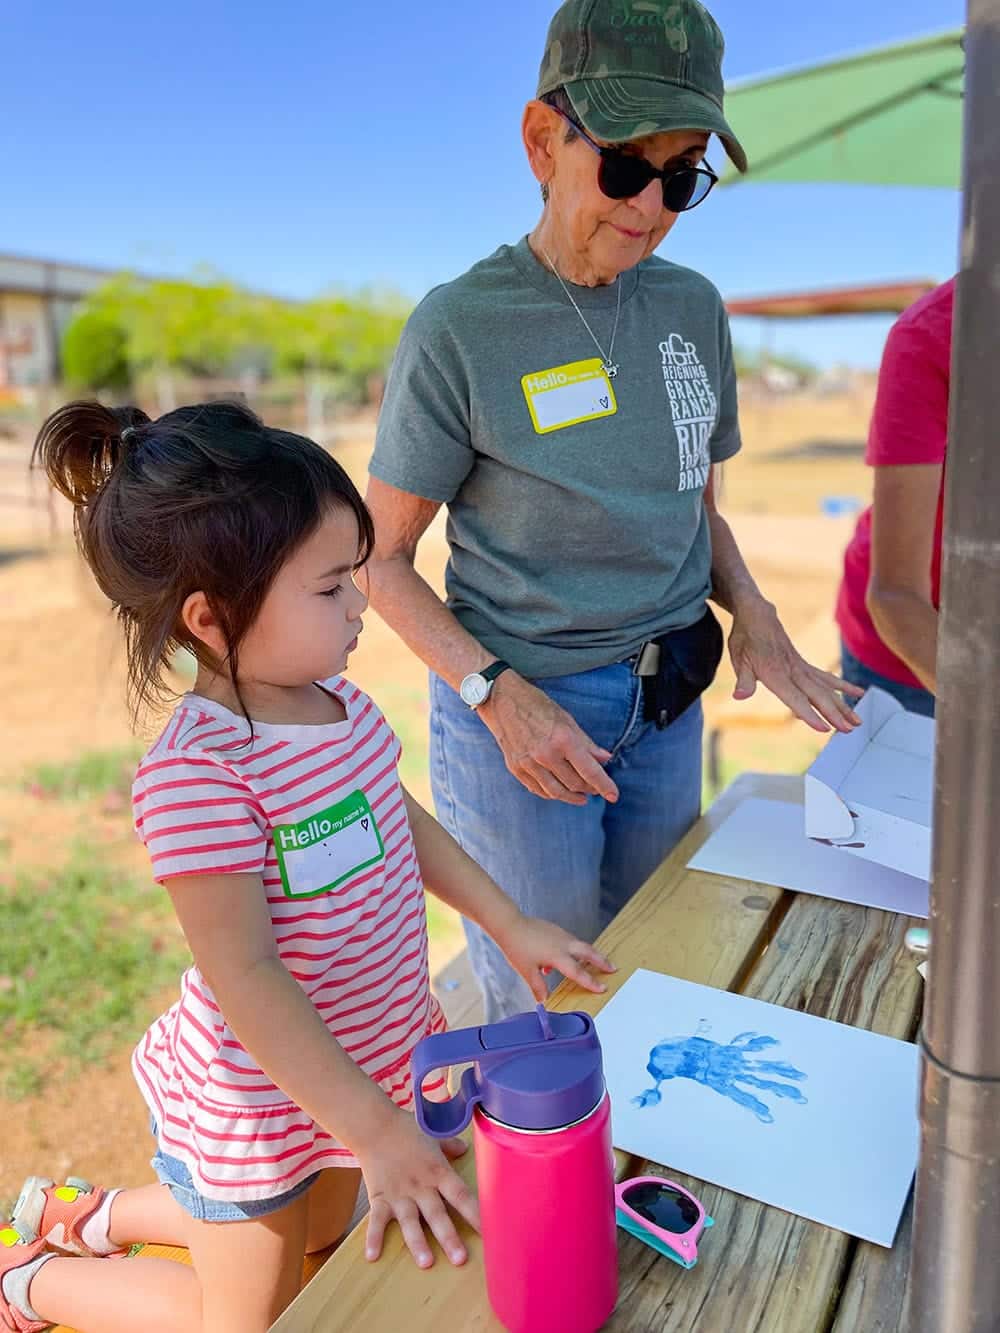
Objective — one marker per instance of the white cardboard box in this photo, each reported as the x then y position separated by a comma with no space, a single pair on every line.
870,792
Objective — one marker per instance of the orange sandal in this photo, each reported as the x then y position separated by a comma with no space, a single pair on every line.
18,1246
57,1213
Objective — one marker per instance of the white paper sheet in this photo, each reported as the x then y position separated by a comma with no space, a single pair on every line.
811,1116
766,841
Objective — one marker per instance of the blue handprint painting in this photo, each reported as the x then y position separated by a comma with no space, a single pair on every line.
728,1069
815,1117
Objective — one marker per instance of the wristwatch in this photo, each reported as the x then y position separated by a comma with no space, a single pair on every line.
476,688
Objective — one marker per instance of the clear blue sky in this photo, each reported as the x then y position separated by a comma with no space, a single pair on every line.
324,142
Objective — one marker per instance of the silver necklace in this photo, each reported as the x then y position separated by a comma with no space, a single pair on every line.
610,367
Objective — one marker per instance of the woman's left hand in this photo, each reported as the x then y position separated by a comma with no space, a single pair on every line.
761,651
535,947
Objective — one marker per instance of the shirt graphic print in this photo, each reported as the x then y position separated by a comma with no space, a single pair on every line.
693,409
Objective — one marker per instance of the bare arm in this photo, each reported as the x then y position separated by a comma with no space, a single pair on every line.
227,924
542,745
758,645
899,595
404,599
733,586
533,946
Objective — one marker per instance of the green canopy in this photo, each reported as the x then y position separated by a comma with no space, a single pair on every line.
888,116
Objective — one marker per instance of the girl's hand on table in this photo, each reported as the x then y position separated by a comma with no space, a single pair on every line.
409,1178
535,947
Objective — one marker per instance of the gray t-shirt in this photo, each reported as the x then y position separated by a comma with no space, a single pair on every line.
576,522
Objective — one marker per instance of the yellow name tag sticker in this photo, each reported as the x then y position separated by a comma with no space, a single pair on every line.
568,395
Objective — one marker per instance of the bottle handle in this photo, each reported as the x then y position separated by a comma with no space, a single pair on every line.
444,1120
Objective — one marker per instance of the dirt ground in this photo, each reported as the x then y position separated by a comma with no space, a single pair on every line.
62,693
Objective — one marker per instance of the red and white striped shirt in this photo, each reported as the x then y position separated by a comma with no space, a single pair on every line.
318,812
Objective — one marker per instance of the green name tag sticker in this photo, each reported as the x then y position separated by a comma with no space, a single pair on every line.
325,850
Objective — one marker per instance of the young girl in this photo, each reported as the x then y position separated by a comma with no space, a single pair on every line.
273,813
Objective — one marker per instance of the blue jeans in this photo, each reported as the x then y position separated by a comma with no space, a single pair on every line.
172,1172
912,697
575,865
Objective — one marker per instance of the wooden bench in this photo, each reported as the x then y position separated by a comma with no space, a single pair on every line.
767,1269
819,644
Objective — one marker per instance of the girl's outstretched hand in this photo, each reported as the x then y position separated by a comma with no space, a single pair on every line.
535,947
409,1177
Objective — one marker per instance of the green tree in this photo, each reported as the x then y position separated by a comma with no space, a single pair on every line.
373,326
338,342
95,351
174,325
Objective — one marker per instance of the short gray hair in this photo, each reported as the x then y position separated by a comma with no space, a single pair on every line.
558,100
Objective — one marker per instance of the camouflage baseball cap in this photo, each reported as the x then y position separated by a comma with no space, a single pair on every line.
638,67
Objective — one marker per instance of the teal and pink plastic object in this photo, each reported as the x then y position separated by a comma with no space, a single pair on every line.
663,1215
542,1135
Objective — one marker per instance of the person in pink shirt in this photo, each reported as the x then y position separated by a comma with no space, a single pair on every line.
887,608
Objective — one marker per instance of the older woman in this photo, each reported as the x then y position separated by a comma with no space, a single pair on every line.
567,399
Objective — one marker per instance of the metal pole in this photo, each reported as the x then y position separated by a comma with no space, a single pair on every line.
955,1272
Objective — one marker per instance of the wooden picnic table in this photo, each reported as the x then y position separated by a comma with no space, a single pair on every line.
761,1269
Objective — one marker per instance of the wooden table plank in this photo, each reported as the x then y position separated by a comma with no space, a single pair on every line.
874,1296
701,927
763,1269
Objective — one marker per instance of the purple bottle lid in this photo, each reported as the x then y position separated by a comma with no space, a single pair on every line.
536,1071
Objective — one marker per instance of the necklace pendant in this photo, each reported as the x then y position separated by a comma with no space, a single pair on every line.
610,370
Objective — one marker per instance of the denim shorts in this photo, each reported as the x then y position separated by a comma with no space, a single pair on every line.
172,1172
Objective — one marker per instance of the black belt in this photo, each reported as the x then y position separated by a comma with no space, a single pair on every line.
676,668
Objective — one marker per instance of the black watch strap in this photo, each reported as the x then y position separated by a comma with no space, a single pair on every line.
493,670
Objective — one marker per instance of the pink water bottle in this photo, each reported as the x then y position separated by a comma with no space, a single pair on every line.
542,1136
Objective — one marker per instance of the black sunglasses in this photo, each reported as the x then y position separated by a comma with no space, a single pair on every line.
664,1205
624,175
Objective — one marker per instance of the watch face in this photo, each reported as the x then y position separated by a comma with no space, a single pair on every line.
474,690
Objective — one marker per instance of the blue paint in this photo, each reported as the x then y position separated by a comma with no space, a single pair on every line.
722,1068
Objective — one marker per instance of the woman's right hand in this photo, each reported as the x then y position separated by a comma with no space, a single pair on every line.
409,1177
544,747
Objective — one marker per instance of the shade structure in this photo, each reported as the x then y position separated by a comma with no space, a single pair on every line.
885,298
891,115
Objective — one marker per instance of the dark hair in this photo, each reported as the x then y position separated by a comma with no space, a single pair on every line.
205,498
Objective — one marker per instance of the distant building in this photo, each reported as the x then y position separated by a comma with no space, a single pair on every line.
38,298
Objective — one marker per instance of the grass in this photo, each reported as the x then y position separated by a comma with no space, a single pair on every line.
94,773
405,709
442,922
83,951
